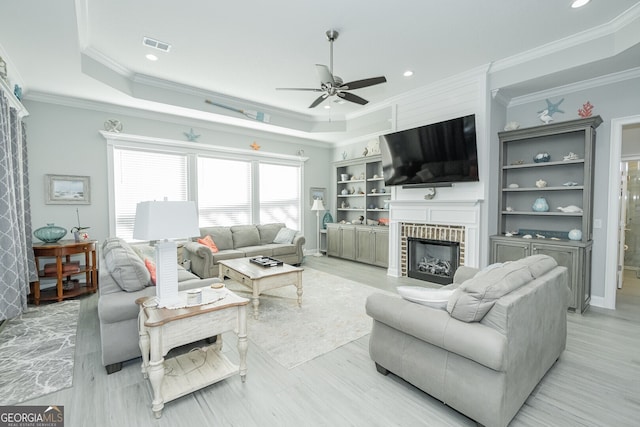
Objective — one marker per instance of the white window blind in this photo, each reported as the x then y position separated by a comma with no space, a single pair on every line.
280,194
142,176
224,192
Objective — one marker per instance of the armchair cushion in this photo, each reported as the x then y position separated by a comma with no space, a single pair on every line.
475,297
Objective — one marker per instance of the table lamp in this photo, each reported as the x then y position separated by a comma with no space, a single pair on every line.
163,221
318,206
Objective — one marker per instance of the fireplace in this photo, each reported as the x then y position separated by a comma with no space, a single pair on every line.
432,260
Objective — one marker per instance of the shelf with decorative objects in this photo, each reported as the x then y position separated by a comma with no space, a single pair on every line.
360,232
545,197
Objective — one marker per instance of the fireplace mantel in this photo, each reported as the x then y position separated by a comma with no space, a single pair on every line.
465,213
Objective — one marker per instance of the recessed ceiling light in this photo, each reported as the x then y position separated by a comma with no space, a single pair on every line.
579,3
326,107
151,57
408,73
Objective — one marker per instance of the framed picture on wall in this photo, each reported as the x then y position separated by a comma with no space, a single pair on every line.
318,193
67,190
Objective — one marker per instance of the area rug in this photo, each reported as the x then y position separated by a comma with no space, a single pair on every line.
37,350
332,315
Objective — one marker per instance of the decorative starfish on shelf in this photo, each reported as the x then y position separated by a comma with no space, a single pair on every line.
191,136
552,107
255,146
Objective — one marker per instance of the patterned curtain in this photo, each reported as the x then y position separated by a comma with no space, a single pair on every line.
17,265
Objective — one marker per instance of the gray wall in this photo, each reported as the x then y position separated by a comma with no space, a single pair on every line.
65,140
611,101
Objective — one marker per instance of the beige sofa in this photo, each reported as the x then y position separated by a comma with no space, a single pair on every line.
501,331
241,241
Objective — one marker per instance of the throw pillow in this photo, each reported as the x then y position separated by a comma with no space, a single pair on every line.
285,235
436,298
127,269
476,296
208,242
151,266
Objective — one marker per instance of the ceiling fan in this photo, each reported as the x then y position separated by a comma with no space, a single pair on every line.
332,85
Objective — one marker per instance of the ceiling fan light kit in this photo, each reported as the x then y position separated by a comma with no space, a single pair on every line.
332,85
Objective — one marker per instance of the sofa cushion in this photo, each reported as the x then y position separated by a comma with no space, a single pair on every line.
221,235
281,249
475,297
268,232
245,235
208,242
250,251
228,254
285,235
436,298
126,268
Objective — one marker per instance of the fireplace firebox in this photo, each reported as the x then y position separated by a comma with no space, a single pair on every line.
432,260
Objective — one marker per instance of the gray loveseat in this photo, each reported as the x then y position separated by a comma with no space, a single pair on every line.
123,279
483,365
241,241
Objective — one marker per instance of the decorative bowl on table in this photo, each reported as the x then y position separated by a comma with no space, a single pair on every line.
51,233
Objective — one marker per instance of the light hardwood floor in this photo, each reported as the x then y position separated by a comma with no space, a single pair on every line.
596,382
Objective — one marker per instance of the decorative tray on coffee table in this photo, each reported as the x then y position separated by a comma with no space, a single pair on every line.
266,261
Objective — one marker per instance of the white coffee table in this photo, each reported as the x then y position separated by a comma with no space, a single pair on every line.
162,329
260,279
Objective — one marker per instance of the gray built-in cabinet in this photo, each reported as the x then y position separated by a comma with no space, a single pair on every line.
568,182
360,193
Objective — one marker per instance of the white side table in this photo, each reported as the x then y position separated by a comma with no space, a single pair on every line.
162,329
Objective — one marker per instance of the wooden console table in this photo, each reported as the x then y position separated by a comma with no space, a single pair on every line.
161,329
66,287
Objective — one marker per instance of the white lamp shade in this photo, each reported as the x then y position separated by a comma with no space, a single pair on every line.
317,205
165,220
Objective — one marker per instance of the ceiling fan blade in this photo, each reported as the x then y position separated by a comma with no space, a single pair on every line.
357,84
325,75
318,100
299,88
353,98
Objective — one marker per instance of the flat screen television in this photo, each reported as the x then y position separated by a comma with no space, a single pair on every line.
438,154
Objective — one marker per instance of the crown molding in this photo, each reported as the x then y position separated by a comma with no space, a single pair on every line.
622,76
611,27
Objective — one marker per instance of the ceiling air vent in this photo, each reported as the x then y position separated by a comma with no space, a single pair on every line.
156,44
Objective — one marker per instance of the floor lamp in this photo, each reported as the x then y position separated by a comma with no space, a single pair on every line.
318,206
162,221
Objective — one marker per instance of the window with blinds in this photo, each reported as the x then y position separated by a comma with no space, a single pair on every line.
224,192
142,176
280,194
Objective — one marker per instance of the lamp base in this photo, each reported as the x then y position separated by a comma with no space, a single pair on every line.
166,273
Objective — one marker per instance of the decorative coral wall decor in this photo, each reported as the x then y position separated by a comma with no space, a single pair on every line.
586,110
